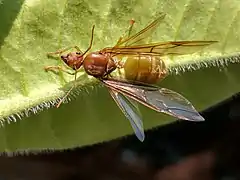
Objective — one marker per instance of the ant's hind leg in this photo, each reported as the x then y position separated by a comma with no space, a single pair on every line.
64,50
130,27
58,68
127,34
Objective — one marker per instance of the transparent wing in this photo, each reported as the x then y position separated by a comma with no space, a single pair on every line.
158,99
144,33
130,112
162,48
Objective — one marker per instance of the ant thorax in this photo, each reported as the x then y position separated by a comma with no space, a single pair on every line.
98,65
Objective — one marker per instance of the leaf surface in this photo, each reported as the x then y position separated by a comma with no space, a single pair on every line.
31,28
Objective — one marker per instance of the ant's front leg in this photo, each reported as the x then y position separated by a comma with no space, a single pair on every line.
58,68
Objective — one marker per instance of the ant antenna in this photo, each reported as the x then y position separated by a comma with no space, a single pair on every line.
91,41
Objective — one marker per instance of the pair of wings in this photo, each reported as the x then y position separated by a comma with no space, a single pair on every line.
158,99
131,45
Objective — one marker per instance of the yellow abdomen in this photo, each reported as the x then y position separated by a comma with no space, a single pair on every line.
146,69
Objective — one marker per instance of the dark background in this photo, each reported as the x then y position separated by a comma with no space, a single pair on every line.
182,150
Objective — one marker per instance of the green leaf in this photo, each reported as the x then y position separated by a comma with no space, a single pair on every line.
31,28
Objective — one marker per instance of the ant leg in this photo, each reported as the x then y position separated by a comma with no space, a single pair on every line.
119,66
67,94
118,63
64,50
130,27
128,32
58,68
119,71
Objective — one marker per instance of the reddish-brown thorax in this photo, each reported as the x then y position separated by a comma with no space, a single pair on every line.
98,65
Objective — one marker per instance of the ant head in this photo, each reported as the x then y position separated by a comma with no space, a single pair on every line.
73,59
